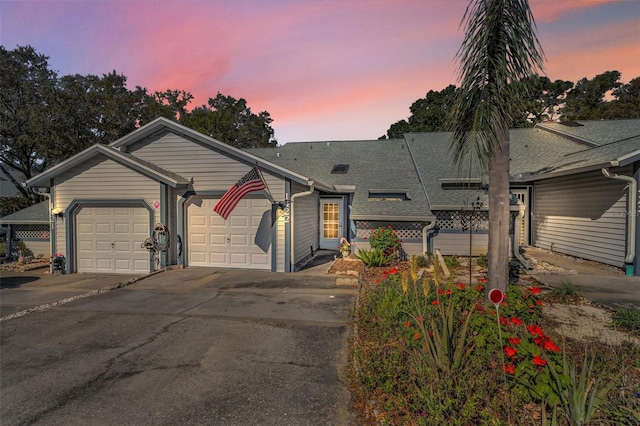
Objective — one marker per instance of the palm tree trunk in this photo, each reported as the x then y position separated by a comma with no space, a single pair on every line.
499,215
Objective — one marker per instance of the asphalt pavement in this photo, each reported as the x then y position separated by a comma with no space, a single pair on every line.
191,346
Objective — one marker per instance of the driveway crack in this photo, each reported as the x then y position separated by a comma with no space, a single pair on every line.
105,376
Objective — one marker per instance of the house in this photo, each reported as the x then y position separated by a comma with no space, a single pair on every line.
29,225
146,200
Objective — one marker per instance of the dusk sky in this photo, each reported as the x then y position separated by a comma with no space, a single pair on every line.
324,70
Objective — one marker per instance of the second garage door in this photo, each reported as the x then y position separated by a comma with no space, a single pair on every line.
213,241
109,240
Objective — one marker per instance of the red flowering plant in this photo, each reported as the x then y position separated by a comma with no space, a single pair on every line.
385,239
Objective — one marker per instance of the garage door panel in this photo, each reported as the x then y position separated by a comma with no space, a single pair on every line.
238,222
230,243
260,259
217,240
109,239
199,239
239,240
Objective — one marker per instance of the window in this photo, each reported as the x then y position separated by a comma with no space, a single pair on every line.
340,169
388,195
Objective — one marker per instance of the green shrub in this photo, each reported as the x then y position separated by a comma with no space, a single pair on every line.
386,240
452,261
375,257
482,260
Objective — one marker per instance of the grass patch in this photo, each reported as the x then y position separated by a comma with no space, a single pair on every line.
627,319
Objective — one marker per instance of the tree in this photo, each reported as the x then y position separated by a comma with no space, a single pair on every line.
27,110
544,101
428,114
231,121
585,100
171,104
500,47
626,103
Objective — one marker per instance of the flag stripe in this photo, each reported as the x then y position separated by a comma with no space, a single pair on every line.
250,182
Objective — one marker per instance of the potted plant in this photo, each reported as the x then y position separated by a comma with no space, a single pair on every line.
344,247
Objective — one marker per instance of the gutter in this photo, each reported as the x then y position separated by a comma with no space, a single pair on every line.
291,215
631,217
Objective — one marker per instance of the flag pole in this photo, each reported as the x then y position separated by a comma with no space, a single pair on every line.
265,182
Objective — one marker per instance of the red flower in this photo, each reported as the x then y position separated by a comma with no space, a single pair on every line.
390,227
538,361
435,302
534,330
483,280
479,288
393,271
510,369
503,321
539,303
407,324
509,351
377,281
514,341
416,336
550,346
479,307
535,290
516,321
460,286
420,318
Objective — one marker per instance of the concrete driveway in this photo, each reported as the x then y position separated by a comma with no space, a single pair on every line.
192,346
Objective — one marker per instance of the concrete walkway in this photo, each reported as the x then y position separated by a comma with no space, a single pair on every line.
602,284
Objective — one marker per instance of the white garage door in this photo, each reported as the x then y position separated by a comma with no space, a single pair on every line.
109,239
213,241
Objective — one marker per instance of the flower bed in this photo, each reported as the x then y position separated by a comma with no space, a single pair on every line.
433,352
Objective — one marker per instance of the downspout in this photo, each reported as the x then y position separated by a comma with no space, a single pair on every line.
516,238
425,237
52,225
631,217
292,244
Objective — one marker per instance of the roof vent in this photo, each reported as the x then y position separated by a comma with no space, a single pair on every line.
340,169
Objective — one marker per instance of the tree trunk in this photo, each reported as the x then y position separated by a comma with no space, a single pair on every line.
499,216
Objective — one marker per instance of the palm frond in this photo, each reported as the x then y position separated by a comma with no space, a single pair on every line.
500,48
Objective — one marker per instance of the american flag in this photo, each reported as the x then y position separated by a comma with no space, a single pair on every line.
250,182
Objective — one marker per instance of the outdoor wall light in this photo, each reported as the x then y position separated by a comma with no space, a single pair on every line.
57,212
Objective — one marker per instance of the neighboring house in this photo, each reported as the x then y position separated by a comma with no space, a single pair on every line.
7,188
110,198
30,225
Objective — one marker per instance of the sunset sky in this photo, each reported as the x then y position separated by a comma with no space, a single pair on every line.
324,70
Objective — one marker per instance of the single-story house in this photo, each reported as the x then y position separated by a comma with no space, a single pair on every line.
31,226
153,191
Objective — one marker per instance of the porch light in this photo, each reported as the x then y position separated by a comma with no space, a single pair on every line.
57,212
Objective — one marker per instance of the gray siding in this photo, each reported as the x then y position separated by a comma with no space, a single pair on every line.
208,169
582,215
101,178
457,243
306,223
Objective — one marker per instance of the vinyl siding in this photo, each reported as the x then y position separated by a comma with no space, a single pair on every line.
457,243
209,171
582,215
306,223
101,178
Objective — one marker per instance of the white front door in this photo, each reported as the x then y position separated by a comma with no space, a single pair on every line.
331,229
109,240
213,241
